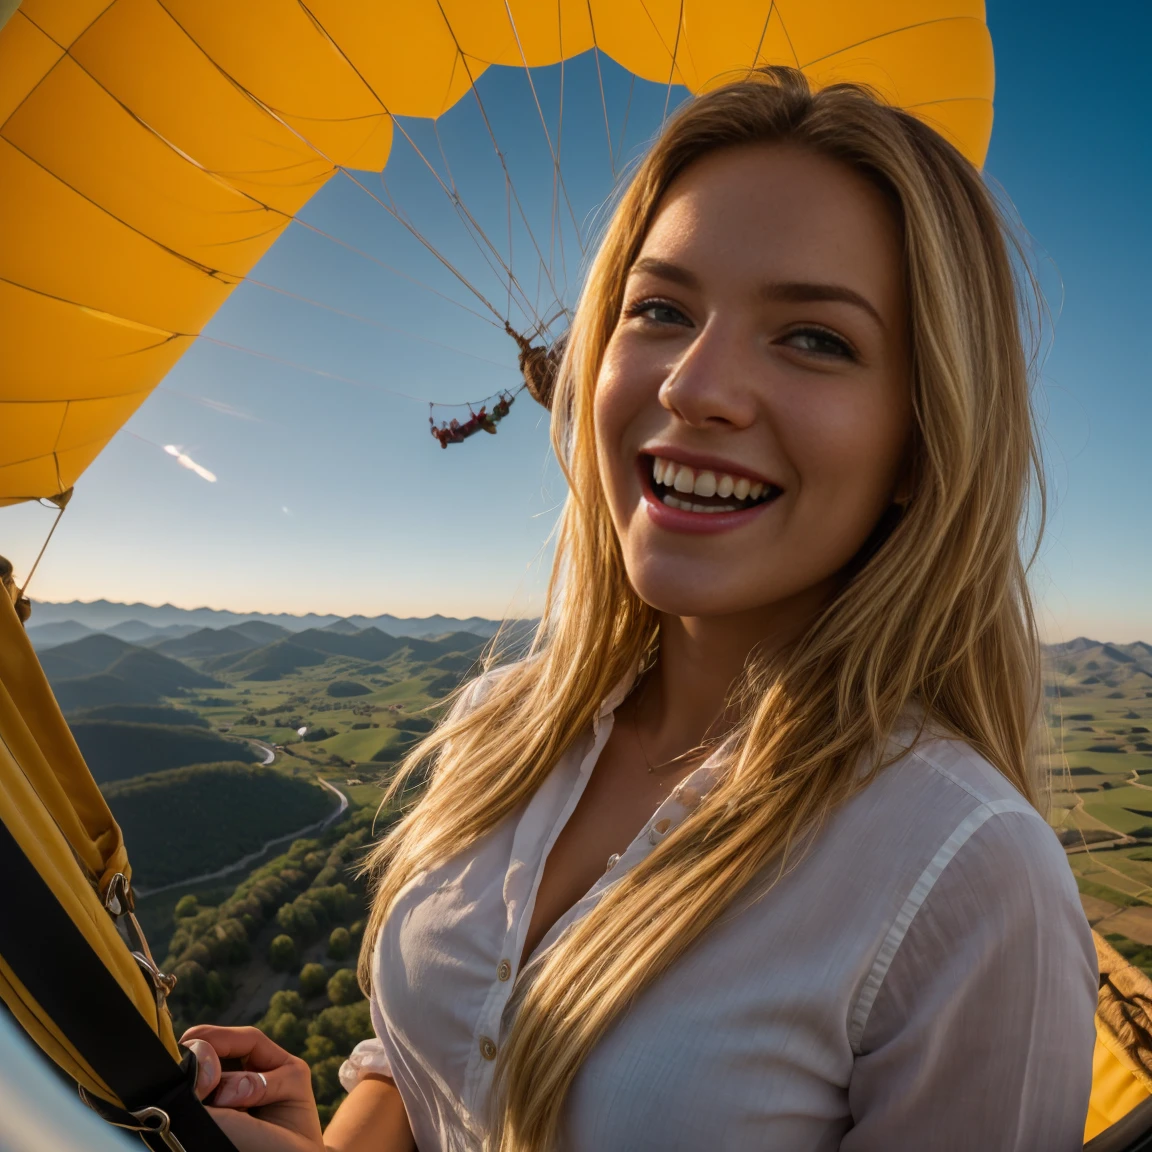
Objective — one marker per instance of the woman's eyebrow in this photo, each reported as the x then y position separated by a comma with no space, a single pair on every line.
790,291
665,270
805,291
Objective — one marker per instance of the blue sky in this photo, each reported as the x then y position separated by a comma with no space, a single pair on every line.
332,496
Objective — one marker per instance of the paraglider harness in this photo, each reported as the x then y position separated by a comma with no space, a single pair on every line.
75,971
538,366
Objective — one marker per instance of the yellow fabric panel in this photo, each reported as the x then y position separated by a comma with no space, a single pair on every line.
56,351
820,29
404,49
142,56
53,809
30,430
64,20
29,481
1115,1090
641,35
966,123
943,60
28,55
537,34
62,244
277,53
712,50
111,159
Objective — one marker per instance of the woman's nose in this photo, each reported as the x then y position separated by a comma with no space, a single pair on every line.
712,381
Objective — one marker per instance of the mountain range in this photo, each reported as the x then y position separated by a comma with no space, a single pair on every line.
53,624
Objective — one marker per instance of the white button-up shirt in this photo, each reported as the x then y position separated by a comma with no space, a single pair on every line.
923,979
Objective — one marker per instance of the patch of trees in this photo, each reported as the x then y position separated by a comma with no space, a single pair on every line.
413,724
117,749
144,714
317,734
211,944
347,688
187,821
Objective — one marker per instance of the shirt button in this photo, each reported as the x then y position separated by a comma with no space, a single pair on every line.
612,861
487,1048
503,970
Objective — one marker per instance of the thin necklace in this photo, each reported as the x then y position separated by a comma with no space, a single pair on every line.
640,742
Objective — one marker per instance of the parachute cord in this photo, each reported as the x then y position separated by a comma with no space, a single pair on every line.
43,548
672,68
624,125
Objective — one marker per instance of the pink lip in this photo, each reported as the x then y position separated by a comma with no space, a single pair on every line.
698,523
699,462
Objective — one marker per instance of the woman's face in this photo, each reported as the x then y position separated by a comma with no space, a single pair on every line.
753,408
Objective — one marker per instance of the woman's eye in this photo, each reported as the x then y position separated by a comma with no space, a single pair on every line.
820,343
657,312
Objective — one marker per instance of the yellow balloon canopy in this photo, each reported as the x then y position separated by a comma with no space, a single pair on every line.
151,151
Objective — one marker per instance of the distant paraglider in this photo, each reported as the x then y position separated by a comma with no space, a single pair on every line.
538,365
456,432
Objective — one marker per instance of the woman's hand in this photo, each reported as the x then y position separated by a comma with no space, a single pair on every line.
269,1107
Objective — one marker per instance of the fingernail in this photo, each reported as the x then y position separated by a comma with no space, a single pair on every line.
235,1091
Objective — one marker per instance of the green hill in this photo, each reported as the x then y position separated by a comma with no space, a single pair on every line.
100,690
144,714
270,662
117,750
99,670
208,642
95,653
199,818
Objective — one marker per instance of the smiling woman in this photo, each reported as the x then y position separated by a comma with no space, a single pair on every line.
801,897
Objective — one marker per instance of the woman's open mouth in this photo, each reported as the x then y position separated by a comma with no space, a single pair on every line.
686,498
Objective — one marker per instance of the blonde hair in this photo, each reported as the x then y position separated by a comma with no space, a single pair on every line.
938,612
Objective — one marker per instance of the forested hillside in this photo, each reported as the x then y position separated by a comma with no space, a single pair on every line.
117,750
194,820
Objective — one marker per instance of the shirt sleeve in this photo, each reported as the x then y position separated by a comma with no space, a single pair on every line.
981,1033
367,1057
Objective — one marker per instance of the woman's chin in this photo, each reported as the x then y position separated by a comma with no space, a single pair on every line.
691,596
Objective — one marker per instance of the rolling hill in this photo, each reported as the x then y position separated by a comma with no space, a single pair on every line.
144,714
117,749
208,642
315,645
196,819
100,670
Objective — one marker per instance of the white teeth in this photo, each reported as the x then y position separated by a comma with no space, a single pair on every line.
685,480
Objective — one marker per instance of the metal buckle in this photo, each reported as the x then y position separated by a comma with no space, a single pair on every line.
120,901
154,1121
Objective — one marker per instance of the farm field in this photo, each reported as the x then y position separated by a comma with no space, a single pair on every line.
1099,713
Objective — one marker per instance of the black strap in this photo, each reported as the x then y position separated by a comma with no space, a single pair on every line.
56,964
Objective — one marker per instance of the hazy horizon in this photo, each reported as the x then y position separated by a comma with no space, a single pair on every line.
1048,635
